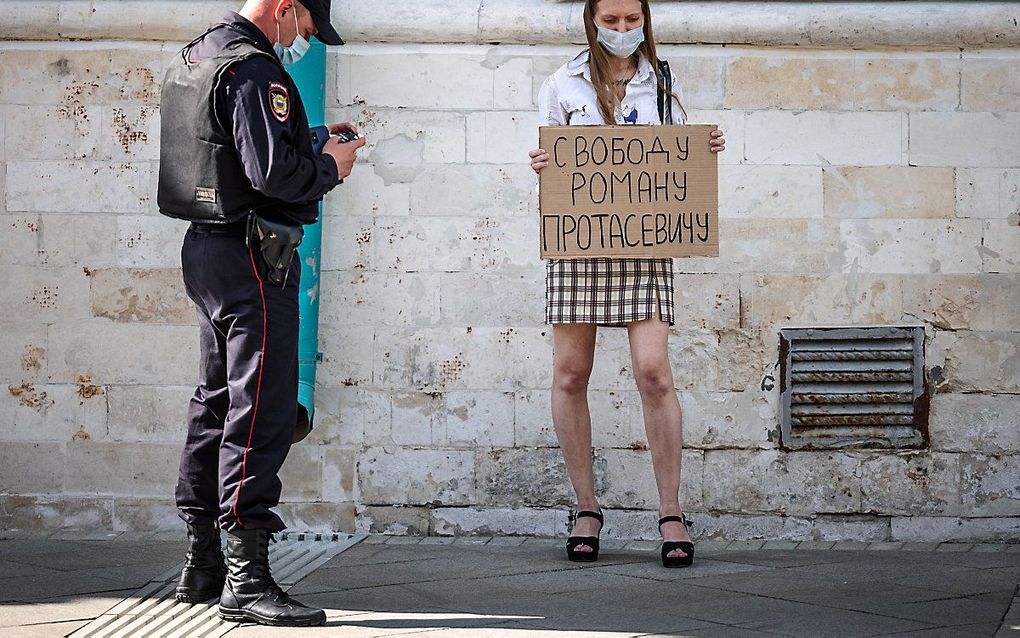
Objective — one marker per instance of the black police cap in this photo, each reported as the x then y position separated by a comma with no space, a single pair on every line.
320,16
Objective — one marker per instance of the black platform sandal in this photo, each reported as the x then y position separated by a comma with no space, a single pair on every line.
590,541
670,546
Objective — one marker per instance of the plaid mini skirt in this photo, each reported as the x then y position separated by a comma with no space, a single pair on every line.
608,291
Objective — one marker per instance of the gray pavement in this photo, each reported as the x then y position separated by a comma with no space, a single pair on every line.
524,588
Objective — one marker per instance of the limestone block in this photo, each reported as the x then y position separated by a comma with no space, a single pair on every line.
916,484
412,421
54,412
148,413
302,474
364,298
476,190
534,357
485,243
96,187
990,82
474,419
347,242
54,512
501,137
54,74
496,521
816,138
108,352
789,81
446,358
447,77
990,485
727,360
318,517
769,192
771,480
149,241
398,521
545,61
939,529
975,423
54,132
733,124
815,528
406,136
141,295
533,426
146,515
347,354
403,244
988,192
402,22
512,77
1000,246
701,71
969,361
492,299
630,483
836,300
150,469
523,476
372,189
349,415
48,295
911,246
772,245
23,351
130,133
965,139
890,191
416,477
82,240
32,468
887,81
706,301
963,302
745,420
339,474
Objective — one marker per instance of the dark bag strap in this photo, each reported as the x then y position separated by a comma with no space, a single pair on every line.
665,98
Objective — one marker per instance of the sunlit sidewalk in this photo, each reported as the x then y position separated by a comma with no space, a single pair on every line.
97,585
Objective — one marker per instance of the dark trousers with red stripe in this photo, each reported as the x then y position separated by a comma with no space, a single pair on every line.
242,415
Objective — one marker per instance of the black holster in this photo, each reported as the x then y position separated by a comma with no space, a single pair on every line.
275,244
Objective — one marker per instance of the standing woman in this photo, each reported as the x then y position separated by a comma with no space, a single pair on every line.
617,80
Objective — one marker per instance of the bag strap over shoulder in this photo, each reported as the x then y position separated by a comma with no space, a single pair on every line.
665,99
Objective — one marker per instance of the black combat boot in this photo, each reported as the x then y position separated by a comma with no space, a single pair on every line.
204,573
250,593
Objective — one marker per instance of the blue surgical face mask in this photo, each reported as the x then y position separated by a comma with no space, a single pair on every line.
622,45
297,50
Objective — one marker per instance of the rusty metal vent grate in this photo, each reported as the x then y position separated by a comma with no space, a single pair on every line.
853,387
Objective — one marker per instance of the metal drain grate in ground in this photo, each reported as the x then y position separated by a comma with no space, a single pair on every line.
153,612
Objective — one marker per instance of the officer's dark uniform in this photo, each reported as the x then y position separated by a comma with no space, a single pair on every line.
235,139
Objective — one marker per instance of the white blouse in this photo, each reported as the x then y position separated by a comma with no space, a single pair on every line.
567,97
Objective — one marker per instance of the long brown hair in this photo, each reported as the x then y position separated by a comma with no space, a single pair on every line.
598,61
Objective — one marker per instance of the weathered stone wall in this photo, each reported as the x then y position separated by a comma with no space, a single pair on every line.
860,187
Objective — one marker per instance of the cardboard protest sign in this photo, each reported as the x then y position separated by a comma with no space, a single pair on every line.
628,191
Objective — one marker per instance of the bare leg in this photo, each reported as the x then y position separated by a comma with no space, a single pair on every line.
573,355
663,420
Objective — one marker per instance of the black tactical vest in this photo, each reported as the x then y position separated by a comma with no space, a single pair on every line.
201,178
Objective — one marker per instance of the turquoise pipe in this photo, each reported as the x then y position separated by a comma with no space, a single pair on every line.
310,75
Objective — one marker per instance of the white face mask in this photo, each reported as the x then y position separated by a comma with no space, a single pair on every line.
622,45
297,50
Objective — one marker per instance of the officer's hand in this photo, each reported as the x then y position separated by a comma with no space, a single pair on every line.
344,154
343,127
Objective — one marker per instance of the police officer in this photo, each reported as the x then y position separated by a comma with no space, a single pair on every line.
236,160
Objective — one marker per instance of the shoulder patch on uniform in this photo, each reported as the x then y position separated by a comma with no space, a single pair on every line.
279,101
